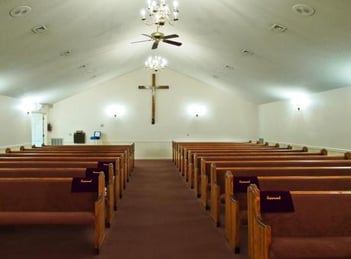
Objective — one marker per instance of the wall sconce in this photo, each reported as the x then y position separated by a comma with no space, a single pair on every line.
115,111
300,101
29,106
197,110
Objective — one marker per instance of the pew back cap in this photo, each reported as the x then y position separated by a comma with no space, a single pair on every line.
324,152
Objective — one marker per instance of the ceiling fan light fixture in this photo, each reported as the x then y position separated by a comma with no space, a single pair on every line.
158,37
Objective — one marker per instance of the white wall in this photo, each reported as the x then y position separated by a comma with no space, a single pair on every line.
324,123
228,118
15,125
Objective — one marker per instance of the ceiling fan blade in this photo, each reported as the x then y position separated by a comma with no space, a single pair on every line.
139,41
155,45
176,43
171,36
147,35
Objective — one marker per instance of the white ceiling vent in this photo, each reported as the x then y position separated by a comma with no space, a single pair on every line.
229,67
304,10
246,52
39,29
66,53
278,28
21,10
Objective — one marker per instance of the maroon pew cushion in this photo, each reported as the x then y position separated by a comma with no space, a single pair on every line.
276,201
85,184
241,183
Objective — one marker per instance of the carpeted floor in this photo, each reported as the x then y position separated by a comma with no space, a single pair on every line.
159,217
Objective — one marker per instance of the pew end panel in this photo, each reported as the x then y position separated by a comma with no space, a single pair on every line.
204,191
110,203
232,215
215,204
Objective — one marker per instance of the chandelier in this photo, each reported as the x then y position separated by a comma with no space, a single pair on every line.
158,12
156,63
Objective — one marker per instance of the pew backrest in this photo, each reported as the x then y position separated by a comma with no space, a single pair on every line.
294,216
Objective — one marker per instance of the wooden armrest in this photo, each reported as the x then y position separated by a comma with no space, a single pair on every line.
262,238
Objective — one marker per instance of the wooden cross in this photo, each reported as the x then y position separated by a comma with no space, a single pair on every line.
153,88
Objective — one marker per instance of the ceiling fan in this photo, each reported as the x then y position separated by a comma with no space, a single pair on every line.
159,36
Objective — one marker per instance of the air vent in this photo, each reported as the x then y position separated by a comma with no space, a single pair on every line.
39,29
246,52
278,28
304,10
66,53
21,10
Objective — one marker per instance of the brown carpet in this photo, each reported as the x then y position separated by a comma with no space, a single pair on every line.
159,217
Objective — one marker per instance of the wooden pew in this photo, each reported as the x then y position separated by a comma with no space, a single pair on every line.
236,196
189,160
299,224
58,163
122,155
120,172
43,163
193,158
179,146
183,149
117,165
205,161
207,181
48,201
217,181
219,174
49,172
129,149
266,163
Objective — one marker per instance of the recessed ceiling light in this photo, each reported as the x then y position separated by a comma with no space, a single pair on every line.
21,10
278,28
303,9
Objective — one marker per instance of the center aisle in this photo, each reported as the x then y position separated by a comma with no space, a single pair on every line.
159,217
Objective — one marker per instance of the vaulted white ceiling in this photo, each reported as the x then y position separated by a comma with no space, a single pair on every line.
226,43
